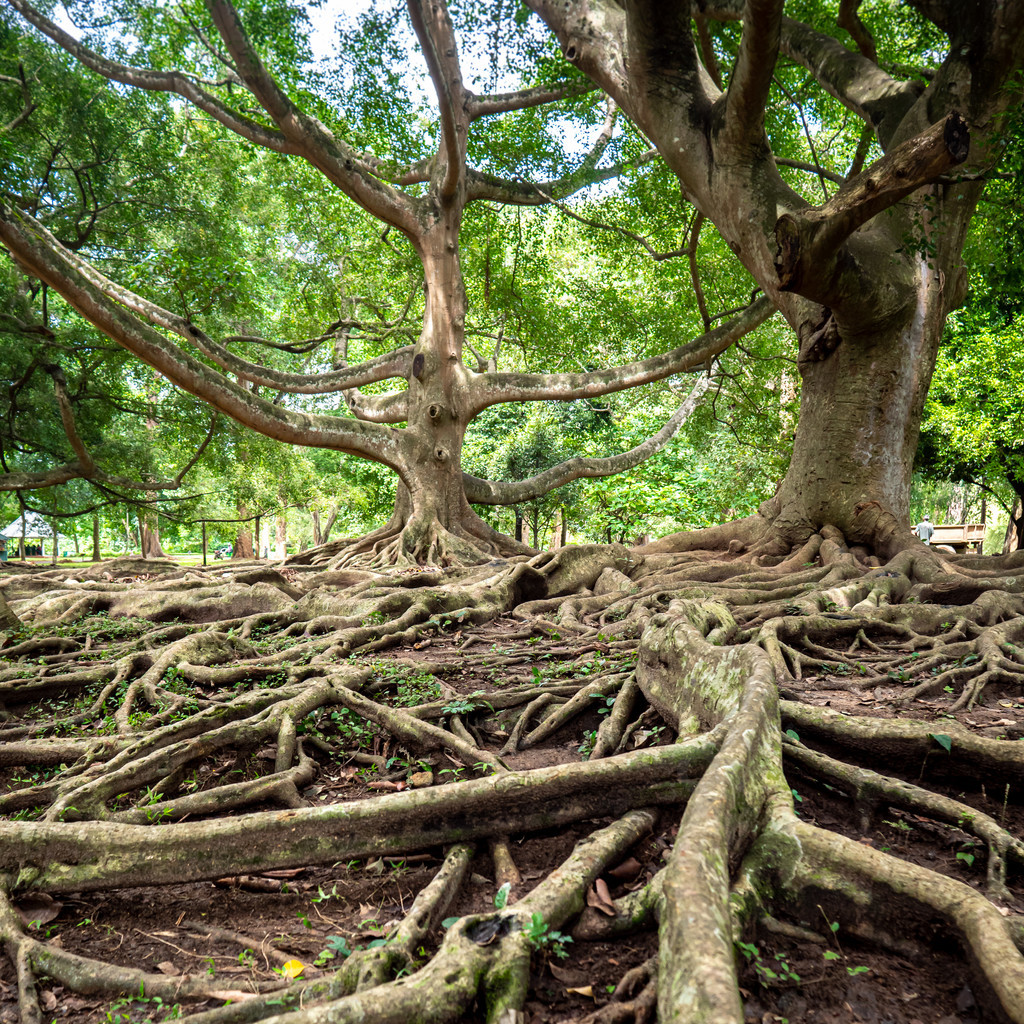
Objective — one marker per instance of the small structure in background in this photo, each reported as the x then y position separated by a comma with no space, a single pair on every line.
38,534
961,538
957,537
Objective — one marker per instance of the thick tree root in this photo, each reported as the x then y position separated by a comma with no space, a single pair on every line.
235,694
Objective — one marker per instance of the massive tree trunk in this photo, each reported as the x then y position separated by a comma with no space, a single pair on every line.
866,279
860,417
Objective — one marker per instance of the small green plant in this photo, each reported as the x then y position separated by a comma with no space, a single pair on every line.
540,936
247,959
586,748
323,897
776,972
466,705
899,824
832,955
302,917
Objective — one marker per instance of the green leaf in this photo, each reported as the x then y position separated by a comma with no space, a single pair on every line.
501,896
793,735
944,741
448,922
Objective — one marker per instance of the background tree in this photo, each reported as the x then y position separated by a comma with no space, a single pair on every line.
424,196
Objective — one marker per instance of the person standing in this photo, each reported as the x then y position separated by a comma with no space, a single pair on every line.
924,530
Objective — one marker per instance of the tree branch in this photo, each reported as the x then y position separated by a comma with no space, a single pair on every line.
307,136
51,265
483,186
746,100
491,492
809,241
505,102
857,82
492,388
433,28
849,19
390,408
26,96
155,81
390,364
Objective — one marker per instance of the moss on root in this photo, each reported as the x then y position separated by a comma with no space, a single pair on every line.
685,649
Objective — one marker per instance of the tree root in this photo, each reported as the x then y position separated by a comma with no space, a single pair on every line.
254,686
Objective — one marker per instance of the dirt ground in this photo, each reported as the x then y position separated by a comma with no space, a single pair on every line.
316,915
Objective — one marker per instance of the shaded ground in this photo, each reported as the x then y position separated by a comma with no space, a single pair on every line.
301,914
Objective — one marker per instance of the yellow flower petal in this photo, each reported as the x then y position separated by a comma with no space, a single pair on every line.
293,968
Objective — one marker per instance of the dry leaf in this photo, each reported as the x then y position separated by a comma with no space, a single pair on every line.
600,898
39,908
567,975
167,968
586,990
627,870
48,999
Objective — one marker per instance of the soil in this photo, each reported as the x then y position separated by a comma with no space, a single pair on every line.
298,915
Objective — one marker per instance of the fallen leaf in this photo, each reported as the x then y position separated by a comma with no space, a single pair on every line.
566,975
600,898
586,990
167,968
292,968
48,999
627,870
39,908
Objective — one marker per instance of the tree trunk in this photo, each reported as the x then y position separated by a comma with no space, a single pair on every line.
243,542
433,522
149,534
860,417
281,539
315,516
96,553
1014,528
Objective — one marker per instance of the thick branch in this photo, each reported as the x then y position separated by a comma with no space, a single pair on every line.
857,82
390,408
308,136
747,98
490,492
504,102
492,388
809,241
50,265
433,28
390,364
155,81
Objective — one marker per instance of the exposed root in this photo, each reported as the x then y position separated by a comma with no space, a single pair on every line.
211,732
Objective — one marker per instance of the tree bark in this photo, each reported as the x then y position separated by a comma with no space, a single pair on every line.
281,538
242,547
149,534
